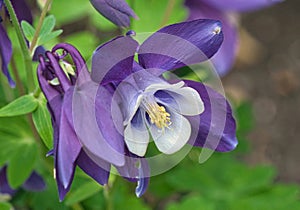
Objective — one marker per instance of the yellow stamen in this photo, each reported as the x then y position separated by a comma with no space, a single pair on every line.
158,114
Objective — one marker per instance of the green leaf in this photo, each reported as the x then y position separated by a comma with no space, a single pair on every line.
83,192
8,149
28,30
21,164
196,202
48,25
23,105
5,206
42,122
47,37
13,132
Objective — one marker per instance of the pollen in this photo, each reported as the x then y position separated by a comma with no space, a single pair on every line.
158,115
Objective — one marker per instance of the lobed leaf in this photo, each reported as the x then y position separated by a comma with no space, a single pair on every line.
28,30
48,25
47,37
23,105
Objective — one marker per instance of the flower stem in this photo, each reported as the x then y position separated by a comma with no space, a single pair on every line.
168,12
19,85
39,26
23,45
106,191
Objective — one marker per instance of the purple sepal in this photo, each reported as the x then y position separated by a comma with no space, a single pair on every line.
181,44
112,61
34,183
92,169
4,186
224,59
217,128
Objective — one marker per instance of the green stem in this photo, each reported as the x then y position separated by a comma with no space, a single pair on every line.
106,191
37,92
19,85
23,45
168,12
39,26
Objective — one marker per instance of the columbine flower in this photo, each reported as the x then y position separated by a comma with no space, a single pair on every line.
23,13
67,150
138,99
117,11
225,11
57,80
34,183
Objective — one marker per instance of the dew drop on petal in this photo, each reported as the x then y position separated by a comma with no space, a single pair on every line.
217,30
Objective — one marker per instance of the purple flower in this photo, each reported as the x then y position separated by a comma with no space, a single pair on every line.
117,11
58,88
57,80
225,11
23,13
34,183
135,102
5,53
22,10
103,119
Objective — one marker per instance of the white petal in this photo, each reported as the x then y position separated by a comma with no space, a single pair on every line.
188,101
173,138
137,137
163,86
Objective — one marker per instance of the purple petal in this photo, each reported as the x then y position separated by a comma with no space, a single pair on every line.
75,55
5,53
4,186
224,59
113,60
108,145
34,183
217,129
181,44
238,5
92,169
22,10
68,146
58,71
117,11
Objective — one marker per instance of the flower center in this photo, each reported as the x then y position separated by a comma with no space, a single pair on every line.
158,114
